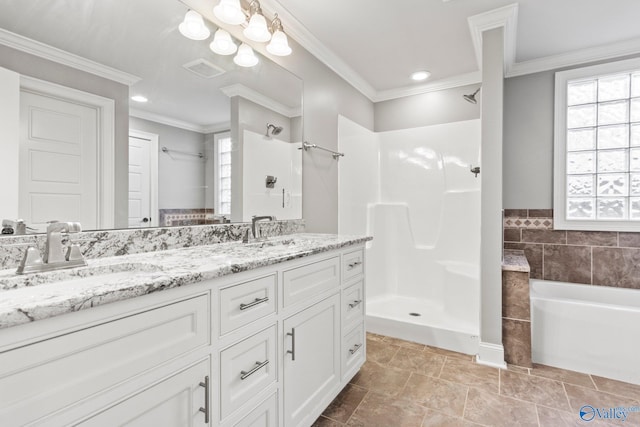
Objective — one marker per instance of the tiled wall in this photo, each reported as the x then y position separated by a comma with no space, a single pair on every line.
185,217
592,257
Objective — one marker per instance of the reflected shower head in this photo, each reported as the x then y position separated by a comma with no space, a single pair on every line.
275,130
472,98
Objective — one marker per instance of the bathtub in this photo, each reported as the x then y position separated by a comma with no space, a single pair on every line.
591,329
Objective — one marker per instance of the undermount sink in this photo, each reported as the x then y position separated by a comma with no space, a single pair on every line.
102,273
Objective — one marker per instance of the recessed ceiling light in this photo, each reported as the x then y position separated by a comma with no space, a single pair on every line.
139,98
420,75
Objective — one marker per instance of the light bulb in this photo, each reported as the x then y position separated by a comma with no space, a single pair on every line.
257,29
245,56
420,75
222,43
193,26
229,12
279,44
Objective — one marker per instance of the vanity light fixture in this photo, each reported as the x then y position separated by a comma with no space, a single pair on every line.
222,43
193,26
279,44
257,29
139,98
245,56
229,12
419,76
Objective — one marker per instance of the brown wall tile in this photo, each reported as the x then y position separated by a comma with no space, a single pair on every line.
618,267
533,252
516,339
522,213
567,263
592,238
544,236
511,234
515,295
540,213
629,240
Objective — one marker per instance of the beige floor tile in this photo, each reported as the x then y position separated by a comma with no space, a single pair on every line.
470,373
326,422
422,362
378,410
498,411
345,404
403,343
554,418
380,351
533,389
580,396
563,375
518,369
448,353
617,387
382,379
438,419
435,393
375,337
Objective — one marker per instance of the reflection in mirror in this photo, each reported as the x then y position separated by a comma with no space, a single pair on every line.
197,151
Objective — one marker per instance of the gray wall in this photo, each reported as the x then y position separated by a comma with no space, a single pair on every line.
443,106
39,68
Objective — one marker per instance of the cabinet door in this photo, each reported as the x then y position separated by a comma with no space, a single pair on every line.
173,402
311,360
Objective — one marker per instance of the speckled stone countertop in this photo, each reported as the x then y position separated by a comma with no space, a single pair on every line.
28,298
515,260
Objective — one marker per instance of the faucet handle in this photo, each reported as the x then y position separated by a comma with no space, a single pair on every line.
31,261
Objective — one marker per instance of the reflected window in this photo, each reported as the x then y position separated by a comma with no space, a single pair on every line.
222,173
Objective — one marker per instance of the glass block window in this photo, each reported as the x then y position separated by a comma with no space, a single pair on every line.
222,173
597,147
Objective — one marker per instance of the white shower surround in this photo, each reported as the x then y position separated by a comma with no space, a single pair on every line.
413,191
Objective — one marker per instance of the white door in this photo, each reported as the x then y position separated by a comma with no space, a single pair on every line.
58,161
143,209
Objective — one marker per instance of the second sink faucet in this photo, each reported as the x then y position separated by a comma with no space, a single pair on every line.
255,219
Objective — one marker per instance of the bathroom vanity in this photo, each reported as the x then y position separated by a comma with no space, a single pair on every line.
232,334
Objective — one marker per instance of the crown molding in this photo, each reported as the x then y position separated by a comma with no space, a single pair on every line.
506,17
217,127
442,84
582,56
260,99
36,48
169,121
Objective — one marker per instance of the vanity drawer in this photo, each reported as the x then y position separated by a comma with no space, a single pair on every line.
42,377
353,349
304,282
263,415
352,264
352,305
247,302
246,369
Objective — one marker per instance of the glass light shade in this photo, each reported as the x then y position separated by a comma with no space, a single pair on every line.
193,26
257,29
279,44
229,12
245,56
222,43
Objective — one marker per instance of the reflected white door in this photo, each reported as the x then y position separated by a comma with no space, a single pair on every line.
58,161
142,212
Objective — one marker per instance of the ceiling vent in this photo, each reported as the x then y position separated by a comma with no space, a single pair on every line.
204,68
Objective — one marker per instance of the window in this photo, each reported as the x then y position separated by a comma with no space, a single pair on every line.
597,147
222,173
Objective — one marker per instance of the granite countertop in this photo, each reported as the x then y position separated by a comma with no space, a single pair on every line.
515,260
28,298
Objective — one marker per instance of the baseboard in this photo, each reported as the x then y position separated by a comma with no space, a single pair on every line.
491,355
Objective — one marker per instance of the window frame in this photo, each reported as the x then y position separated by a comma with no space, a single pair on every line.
216,172
560,147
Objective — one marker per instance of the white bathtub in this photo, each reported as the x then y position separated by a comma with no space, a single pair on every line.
591,329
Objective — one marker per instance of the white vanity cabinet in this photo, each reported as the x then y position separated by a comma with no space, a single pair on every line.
270,347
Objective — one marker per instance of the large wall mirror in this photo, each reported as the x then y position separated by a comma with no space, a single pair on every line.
214,143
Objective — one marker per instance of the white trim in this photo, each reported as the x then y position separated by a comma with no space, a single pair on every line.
105,108
448,83
36,48
491,355
506,17
260,99
153,172
217,127
560,221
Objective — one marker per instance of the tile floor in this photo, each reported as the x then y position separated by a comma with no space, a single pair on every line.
408,384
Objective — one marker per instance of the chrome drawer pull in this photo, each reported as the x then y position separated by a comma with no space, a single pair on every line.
355,348
254,302
205,384
355,303
259,365
354,264
292,334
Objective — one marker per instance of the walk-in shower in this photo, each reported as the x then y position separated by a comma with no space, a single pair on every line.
411,189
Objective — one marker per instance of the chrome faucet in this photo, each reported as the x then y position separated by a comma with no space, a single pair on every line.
54,256
254,220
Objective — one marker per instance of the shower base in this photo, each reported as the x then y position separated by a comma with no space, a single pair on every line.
420,321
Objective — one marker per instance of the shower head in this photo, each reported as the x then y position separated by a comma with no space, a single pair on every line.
472,98
275,130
